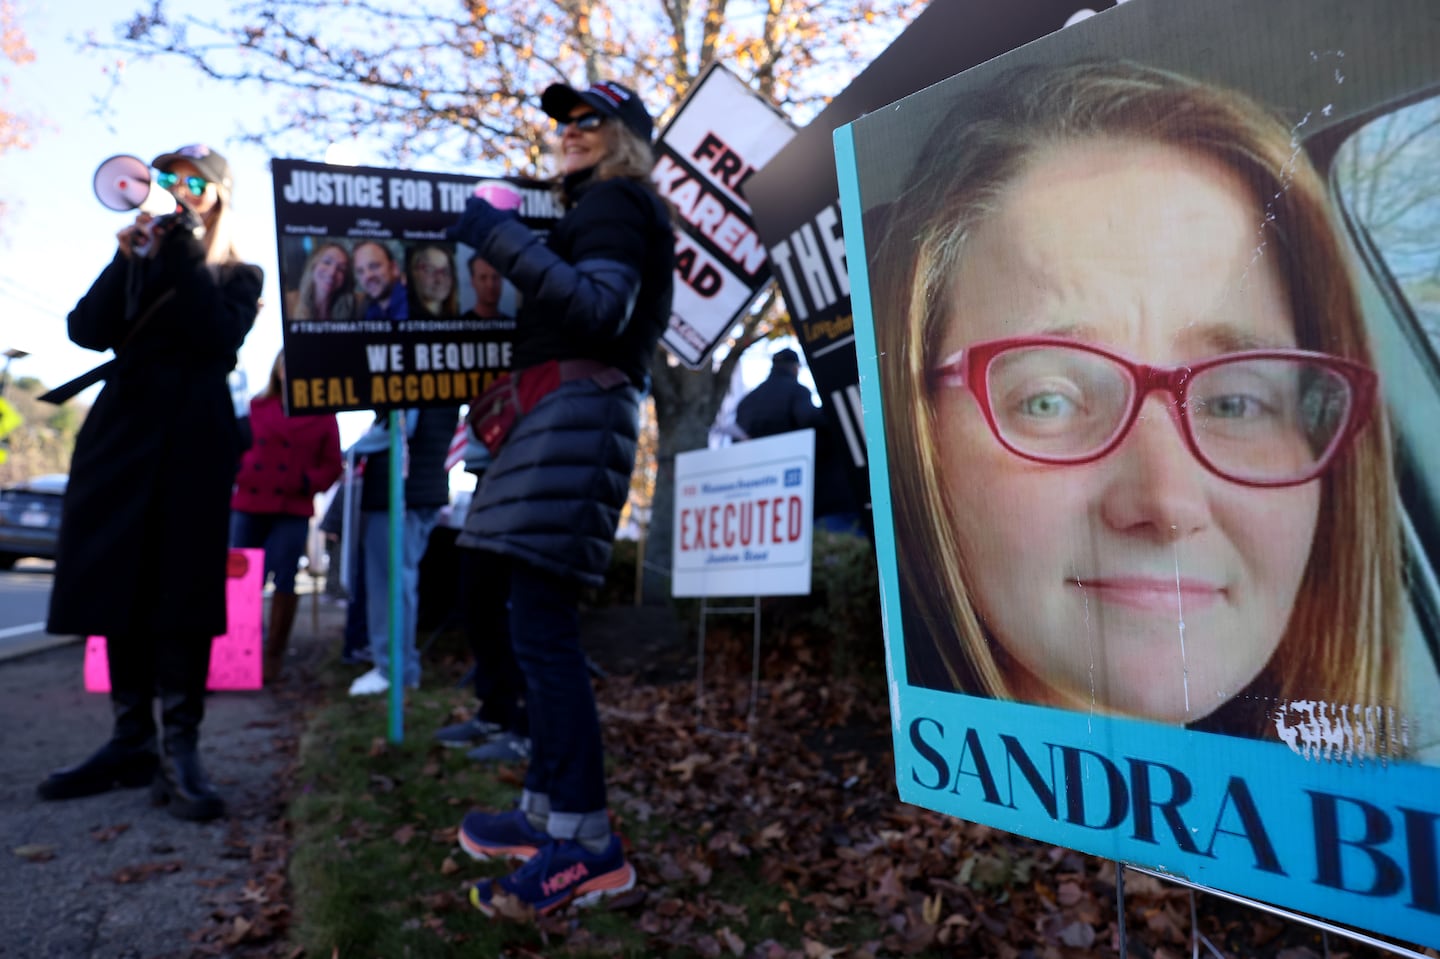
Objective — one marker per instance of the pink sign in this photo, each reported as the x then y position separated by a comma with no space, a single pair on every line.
234,657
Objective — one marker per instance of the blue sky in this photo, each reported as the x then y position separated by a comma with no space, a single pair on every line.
57,237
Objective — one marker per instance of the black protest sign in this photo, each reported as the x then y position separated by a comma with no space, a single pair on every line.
381,310
719,137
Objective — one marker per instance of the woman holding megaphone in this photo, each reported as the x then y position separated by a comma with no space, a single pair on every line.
143,540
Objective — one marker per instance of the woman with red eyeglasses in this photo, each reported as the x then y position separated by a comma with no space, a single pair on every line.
143,539
1131,418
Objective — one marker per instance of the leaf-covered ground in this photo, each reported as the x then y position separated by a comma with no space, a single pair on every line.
784,842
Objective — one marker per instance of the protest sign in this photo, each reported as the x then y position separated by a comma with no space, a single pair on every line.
743,518
380,310
796,198
1141,313
719,137
235,661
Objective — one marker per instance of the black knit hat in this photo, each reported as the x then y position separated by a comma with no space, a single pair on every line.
785,357
212,166
609,99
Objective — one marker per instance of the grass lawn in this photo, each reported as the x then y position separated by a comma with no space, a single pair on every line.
790,844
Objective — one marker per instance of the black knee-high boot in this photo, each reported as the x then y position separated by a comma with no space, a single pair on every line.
129,759
181,783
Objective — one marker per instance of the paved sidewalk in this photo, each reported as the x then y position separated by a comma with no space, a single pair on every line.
112,877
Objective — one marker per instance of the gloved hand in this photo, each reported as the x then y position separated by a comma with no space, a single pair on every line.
477,222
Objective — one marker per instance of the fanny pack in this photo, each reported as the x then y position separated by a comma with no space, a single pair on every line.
494,413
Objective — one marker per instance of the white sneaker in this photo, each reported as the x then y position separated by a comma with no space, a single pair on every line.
370,684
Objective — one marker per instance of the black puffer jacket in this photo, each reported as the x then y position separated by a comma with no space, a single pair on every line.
598,288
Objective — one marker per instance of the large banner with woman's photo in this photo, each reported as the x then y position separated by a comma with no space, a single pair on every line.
380,310
1147,317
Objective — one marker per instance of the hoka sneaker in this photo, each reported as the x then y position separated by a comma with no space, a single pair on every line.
561,873
501,835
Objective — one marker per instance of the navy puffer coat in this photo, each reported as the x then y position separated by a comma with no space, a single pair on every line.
597,288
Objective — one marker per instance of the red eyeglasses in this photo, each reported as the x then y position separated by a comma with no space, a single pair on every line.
1259,418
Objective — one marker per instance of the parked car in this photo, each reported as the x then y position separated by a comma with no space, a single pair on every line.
30,518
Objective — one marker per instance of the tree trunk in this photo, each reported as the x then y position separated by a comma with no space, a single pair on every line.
686,402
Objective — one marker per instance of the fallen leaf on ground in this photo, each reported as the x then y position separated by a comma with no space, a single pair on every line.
108,832
35,852
146,870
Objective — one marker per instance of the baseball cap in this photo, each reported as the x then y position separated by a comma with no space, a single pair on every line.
786,356
212,166
608,99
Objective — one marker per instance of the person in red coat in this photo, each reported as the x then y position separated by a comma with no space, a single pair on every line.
289,461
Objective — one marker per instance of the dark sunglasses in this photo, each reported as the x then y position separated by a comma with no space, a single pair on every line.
195,184
590,121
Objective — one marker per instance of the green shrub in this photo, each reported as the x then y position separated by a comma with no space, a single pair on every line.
841,616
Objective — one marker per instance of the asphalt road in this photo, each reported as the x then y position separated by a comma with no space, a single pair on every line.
24,602
111,876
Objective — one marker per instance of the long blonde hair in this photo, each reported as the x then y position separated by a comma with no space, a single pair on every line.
1348,611
305,306
219,241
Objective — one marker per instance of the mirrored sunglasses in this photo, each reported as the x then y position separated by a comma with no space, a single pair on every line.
195,184
590,121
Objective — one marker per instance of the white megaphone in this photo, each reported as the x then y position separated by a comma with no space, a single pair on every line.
123,183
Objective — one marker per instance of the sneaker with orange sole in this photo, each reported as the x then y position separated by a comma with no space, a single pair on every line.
560,873
506,835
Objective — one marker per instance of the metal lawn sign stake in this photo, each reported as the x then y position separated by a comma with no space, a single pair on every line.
705,609
743,527
1319,925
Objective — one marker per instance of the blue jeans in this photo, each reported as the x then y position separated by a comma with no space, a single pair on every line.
375,551
567,760
281,535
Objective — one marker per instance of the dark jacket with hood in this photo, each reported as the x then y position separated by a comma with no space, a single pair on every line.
597,288
782,404
145,528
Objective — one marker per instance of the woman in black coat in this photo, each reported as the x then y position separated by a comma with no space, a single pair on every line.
143,540
596,297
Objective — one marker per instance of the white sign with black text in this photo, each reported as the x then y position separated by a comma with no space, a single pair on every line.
743,518
722,134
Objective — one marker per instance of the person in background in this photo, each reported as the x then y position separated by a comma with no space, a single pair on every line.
324,292
427,489
289,461
596,295
142,554
355,645
330,530
500,729
432,285
783,404
378,276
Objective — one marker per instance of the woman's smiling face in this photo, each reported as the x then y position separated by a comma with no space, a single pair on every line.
330,268
581,149
1141,583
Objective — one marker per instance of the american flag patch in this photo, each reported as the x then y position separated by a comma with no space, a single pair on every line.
610,92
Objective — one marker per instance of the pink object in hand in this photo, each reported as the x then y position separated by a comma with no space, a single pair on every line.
499,194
